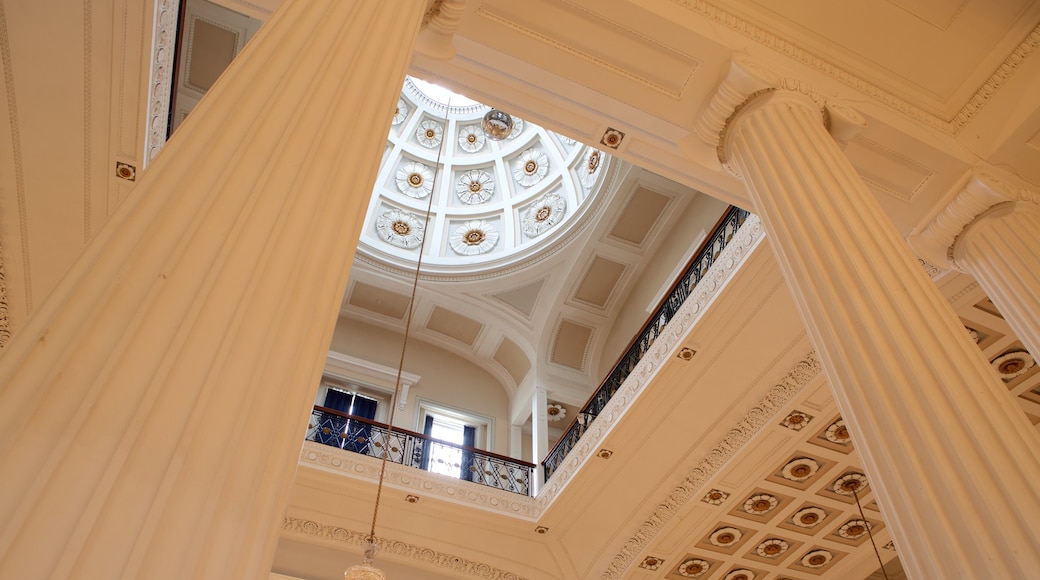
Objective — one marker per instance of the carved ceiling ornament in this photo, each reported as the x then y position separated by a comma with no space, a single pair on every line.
414,179
808,517
471,138
849,483
772,548
694,568
429,133
838,433
475,186
817,559
473,238
740,574
760,504
543,214
401,229
651,563
854,529
530,167
725,537
400,113
715,497
800,469
1013,364
796,420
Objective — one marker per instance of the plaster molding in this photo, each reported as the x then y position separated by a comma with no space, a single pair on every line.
385,377
422,482
790,49
756,418
936,240
457,564
164,37
674,333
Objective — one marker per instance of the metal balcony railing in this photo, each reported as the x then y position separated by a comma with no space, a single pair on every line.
699,264
367,437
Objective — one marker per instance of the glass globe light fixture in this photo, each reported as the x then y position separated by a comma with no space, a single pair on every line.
497,125
365,570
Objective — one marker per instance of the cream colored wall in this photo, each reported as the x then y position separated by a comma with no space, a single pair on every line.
447,379
697,219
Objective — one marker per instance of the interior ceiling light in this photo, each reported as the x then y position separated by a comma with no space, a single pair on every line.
365,570
497,125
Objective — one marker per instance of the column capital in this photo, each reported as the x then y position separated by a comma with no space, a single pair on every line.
749,84
984,190
441,21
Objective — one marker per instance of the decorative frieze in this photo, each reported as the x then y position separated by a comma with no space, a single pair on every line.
457,564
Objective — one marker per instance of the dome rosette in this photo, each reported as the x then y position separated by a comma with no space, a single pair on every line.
473,237
400,229
475,186
415,179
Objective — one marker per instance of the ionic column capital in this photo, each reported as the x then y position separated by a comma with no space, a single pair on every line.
436,38
747,85
936,240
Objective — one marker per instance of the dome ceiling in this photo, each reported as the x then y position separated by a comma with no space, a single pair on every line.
492,203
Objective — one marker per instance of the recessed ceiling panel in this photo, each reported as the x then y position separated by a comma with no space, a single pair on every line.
639,216
599,282
378,300
513,360
524,298
454,325
571,344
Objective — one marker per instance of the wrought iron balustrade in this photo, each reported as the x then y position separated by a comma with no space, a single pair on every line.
367,437
681,290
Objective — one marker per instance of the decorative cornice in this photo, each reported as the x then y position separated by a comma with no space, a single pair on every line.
163,40
428,484
936,241
758,417
675,331
791,50
457,564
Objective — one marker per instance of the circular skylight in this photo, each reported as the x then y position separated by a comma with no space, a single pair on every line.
491,203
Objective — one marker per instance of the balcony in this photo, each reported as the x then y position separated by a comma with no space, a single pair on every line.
681,290
367,437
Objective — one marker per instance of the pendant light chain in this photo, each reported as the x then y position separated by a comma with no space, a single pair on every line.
407,328
870,534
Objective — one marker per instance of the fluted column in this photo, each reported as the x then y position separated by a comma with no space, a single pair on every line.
152,410
953,461
991,230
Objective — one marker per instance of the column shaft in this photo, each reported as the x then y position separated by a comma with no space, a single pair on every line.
1002,251
953,461
539,432
152,410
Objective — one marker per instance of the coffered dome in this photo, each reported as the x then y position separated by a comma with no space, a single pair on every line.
491,202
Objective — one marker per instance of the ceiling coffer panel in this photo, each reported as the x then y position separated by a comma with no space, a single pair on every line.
571,344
